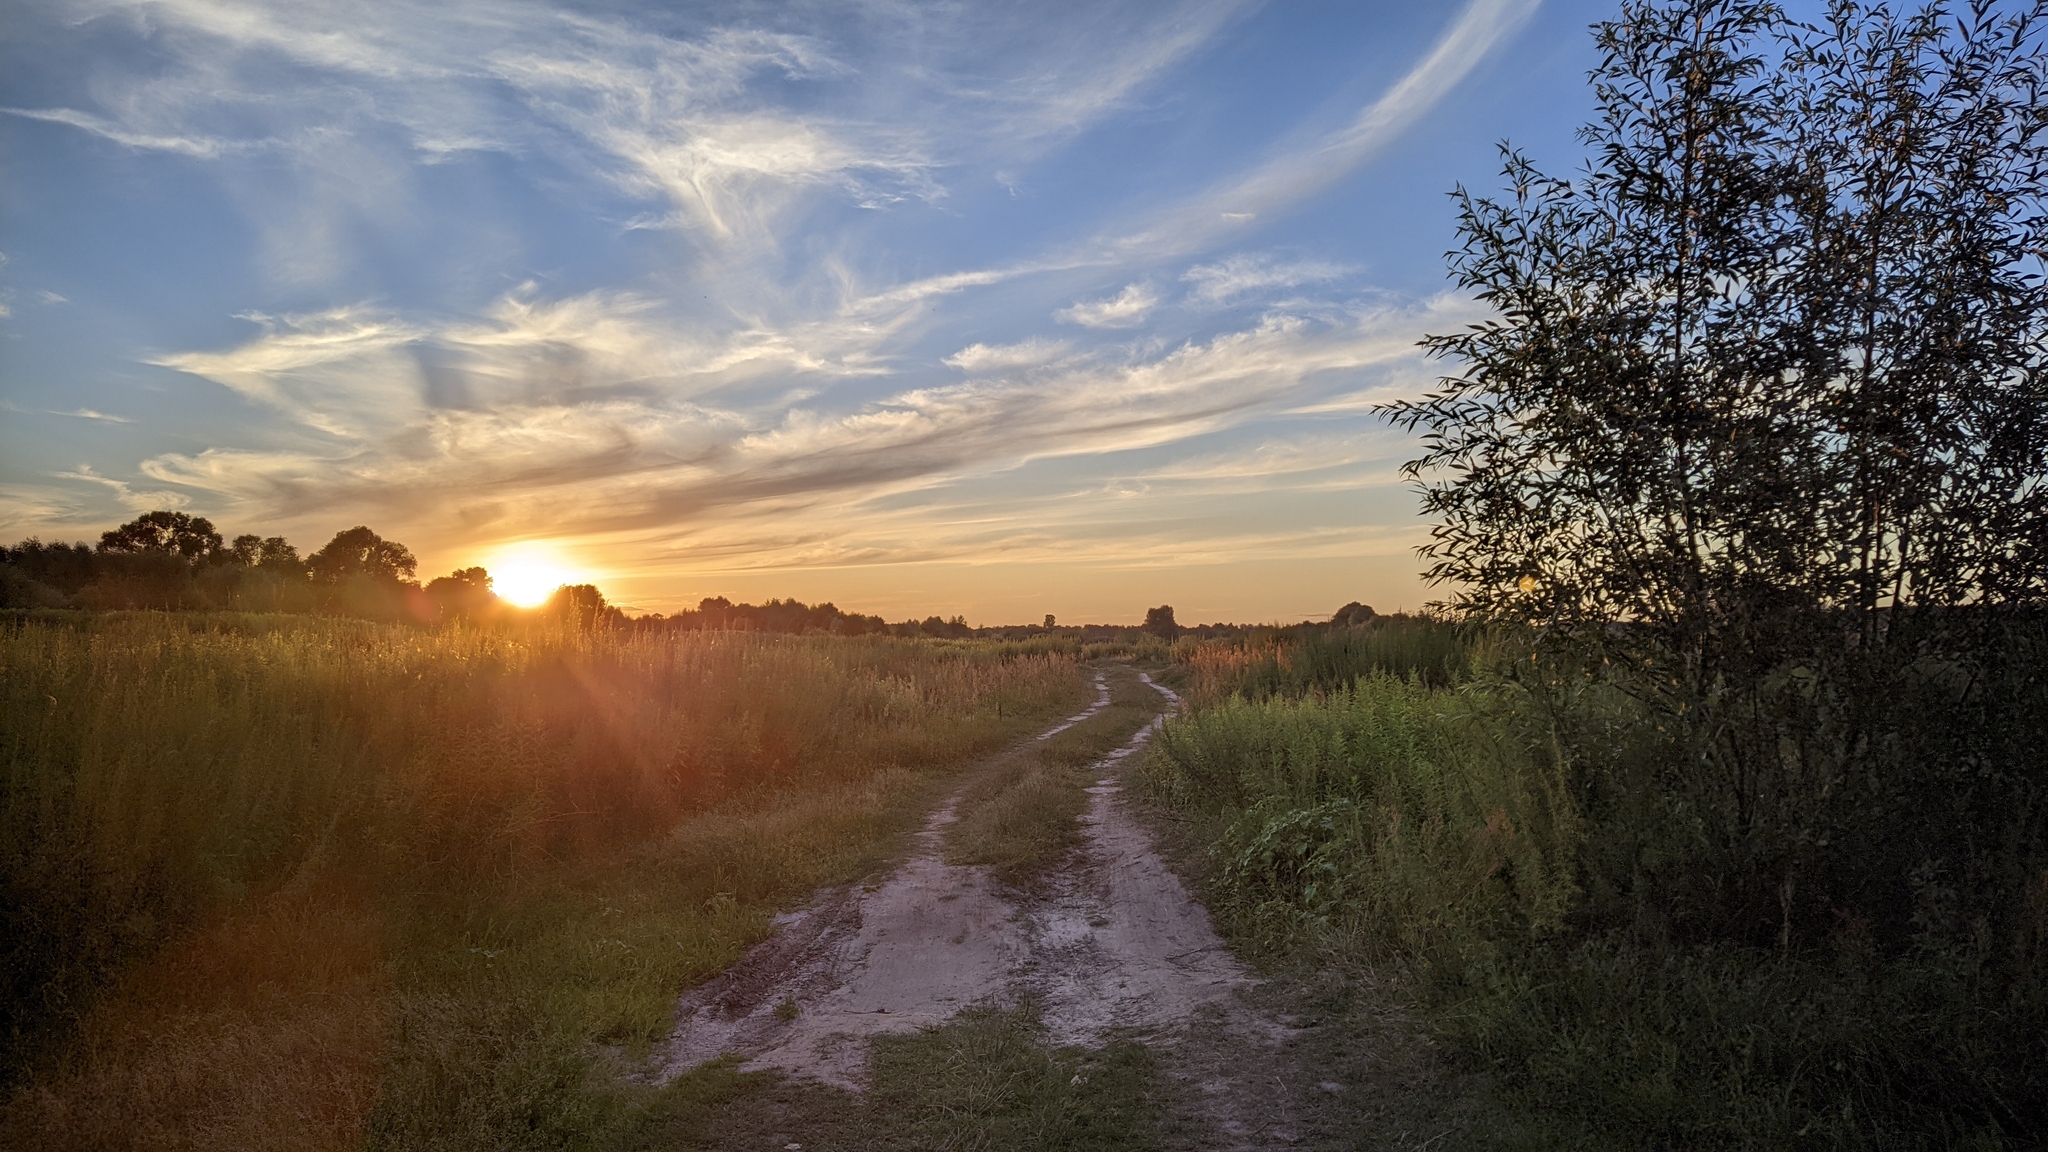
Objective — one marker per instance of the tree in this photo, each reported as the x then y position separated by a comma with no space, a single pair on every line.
271,552
1049,625
1353,613
1759,419
463,594
191,538
361,552
1159,622
582,606
1778,351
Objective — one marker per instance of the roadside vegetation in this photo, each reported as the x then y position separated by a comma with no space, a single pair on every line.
318,883
1501,868
1728,827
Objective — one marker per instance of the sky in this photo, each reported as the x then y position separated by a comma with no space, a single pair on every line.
977,309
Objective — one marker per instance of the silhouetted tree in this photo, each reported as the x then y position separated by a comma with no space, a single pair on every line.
1353,613
464,594
65,568
359,573
582,606
149,562
1049,621
361,552
272,552
190,538
1159,622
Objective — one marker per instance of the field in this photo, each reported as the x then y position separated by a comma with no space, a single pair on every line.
287,882
294,882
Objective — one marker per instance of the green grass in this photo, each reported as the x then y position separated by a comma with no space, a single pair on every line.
489,860
987,1080
1421,867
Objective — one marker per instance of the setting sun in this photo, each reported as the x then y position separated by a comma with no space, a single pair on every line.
527,580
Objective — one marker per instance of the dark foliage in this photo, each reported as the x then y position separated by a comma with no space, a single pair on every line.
1759,433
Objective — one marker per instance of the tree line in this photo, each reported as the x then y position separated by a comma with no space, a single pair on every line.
173,561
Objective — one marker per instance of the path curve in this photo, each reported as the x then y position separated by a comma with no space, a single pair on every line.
1118,944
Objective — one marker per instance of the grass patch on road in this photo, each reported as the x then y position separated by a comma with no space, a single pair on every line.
1020,817
988,1079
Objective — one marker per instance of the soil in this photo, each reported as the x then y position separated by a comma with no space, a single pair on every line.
1111,945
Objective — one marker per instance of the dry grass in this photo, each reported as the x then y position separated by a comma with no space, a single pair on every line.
313,883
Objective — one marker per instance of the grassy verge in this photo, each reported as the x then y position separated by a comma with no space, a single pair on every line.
1018,817
1425,870
989,1079
308,883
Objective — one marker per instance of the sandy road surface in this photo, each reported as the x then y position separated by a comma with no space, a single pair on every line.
1115,944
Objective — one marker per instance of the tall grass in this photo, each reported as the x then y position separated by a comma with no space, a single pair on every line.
1384,817
1516,845
545,832
1304,659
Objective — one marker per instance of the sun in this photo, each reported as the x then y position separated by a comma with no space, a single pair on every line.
527,577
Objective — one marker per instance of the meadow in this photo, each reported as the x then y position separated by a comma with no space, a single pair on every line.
314,883
304,882
1451,845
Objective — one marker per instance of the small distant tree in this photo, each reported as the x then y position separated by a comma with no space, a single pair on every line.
1353,613
1049,622
1159,622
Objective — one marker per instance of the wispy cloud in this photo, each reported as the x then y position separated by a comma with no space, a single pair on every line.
40,508
1126,309
129,497
996,357
206,147
1298,173
588,451
1236,276
723,124
76,413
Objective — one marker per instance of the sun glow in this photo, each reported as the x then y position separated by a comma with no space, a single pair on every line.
527,578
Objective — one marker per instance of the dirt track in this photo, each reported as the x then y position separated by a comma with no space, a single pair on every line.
1114,945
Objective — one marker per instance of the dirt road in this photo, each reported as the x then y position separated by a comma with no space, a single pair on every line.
1112,944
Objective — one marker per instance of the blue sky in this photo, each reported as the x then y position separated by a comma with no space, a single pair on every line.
996,310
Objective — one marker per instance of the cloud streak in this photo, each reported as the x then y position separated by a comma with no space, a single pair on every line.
1293,176
587,450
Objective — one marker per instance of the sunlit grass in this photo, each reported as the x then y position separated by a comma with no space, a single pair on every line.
425,888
